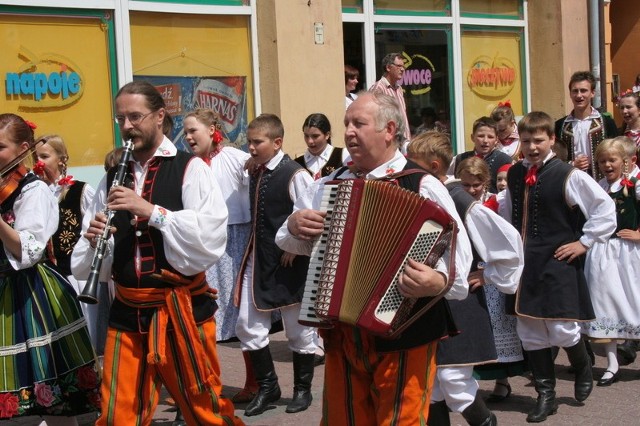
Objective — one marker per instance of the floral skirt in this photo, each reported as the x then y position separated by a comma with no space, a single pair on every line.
46,356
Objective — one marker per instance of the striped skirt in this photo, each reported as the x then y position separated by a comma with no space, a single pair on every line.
46,357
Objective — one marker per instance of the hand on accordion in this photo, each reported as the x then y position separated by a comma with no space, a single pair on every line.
420,280
306,224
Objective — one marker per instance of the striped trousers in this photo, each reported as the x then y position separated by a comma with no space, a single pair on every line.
363,387
131,386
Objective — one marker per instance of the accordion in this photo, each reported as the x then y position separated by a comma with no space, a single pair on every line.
371,229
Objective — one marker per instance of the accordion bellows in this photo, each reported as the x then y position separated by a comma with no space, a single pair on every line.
372,228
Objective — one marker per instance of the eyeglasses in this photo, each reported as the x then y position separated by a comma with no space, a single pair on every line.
134,118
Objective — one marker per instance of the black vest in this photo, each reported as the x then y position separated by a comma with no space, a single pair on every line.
69,228
166,191
549,288
334,162
274,286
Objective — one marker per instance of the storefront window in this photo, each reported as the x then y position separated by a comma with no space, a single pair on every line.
63,86
197,61
427,80
352,6
492,67
412,7
491,8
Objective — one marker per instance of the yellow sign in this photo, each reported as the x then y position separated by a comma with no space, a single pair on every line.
491,66
49,80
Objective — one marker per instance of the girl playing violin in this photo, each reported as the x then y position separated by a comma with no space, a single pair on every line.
47,357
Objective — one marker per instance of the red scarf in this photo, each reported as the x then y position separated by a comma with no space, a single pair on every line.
532,175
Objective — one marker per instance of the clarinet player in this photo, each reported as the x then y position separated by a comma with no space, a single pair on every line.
166,230
369,380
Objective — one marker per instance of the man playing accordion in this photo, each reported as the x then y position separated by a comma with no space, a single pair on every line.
371,380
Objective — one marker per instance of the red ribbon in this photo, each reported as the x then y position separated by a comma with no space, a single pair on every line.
506,103
67,180
626,182
217,137
38,168
31,124
531,178
492,203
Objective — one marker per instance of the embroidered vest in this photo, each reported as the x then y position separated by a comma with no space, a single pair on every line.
69,228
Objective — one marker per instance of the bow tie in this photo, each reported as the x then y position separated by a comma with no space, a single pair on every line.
532,176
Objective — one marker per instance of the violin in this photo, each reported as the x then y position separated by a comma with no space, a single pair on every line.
11,180
14,171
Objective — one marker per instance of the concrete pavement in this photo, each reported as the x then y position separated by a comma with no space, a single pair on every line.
615,405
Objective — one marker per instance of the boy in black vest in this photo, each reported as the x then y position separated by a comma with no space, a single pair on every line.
560,212
271,278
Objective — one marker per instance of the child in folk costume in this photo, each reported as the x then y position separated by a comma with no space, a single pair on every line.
475,178
271,278
74,197
613,266
485,139
498,258
203,133
507,130
48,361
560,212
321,158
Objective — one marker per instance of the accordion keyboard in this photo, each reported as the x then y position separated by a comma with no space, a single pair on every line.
307,309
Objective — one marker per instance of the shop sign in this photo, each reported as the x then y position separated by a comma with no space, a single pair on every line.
418,75
491,77
50,80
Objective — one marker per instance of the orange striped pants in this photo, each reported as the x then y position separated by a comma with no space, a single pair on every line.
363,387
131,386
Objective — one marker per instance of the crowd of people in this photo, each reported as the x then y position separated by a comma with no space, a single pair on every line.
215,244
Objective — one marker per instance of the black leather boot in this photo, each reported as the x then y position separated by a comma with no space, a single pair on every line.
627,352
477,414
544,380
438,414
303,365
268,388
581,362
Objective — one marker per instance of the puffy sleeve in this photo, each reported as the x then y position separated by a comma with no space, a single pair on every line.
35,216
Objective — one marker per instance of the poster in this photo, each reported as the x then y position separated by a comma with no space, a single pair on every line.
227,96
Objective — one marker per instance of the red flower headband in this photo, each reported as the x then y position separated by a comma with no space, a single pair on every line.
506,103
622,95
31,124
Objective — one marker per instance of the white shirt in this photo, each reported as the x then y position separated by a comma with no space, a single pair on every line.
580,127
430,188
315,163
36,220
580,190
228,168
298,183
349,99
85,200
193,238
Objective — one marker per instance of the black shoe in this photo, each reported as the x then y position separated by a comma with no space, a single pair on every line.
318,360
268,388
611,380
627,352
302,376
496,397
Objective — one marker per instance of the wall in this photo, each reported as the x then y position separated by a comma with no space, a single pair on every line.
625,39
297,76
559,46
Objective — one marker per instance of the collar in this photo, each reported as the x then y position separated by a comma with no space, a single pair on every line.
528,163
275,160
388,83
593,115
396,164
325,154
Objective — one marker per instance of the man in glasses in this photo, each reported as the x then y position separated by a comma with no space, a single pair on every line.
389,84
168,229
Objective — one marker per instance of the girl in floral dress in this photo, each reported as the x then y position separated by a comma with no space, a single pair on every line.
74,197
612,268
47,359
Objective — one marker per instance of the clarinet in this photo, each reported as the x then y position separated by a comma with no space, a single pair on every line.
90,292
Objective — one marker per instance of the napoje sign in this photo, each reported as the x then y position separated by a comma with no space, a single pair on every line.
45,81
